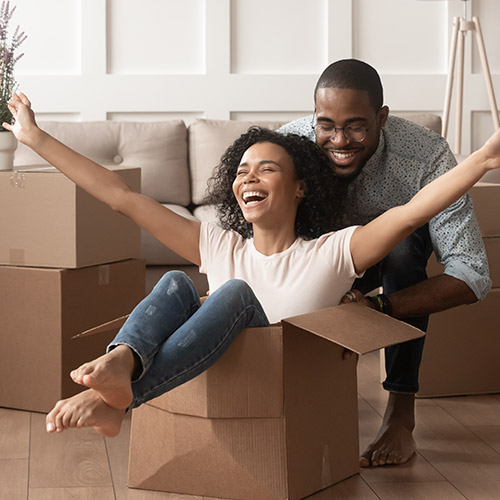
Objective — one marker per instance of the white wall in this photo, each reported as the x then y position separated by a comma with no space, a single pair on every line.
162,59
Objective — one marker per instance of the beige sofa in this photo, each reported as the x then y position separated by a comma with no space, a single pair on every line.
176,162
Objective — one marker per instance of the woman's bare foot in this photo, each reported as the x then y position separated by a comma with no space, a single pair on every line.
86,409
394,443
110,375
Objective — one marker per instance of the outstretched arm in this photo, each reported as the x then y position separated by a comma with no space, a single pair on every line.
176,232
371,243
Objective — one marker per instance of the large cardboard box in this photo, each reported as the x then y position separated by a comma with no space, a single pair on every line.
41,309
462,350
47,221
486,198
274,418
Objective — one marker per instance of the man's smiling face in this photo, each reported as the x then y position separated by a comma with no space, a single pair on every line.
340,108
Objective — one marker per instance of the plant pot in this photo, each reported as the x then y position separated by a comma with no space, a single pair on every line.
8,144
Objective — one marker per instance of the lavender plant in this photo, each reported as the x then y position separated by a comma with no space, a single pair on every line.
8,59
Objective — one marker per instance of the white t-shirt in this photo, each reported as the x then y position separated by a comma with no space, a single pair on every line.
307,276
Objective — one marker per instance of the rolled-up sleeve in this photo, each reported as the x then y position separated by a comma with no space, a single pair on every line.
455,234
459,246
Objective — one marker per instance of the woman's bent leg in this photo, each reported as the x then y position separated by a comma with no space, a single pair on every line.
201,340
169,305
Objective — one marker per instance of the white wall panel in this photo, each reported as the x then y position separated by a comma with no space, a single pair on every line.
490,29
52,47
63,117
268,115
401,36
276,37
156,37
482,128
242,59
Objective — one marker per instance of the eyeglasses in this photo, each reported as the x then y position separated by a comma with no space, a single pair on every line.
351,133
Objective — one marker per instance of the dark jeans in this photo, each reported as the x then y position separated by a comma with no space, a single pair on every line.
403,267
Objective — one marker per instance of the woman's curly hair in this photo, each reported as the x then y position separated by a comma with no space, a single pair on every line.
318,210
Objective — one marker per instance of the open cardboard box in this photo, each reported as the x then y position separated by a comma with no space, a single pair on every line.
47,221
274,418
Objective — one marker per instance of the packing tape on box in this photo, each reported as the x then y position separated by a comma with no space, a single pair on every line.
16,256
326,473
104,275
17,179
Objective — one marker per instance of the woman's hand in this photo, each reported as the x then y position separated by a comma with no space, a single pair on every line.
24,128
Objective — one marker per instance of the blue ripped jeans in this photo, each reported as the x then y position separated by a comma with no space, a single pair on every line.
176,338
403,267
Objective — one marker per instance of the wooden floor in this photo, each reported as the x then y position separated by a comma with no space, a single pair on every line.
458,457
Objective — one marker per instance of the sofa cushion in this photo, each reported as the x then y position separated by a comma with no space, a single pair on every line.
206,213
208,139
429,120
158,148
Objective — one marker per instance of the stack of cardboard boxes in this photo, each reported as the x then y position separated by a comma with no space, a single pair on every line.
462,346
67,263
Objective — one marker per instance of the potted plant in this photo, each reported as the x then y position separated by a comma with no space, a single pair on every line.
8,85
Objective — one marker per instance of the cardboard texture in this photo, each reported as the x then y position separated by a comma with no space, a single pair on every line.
492,246
462,349
41,309
47,221
274,418
486,198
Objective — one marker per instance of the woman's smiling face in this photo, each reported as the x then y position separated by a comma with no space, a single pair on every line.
266,187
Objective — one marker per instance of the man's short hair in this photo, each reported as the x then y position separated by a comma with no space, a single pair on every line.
353,74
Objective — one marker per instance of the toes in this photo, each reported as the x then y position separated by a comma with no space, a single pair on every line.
394,458
380,457
364,461
53,421
79,374
49,423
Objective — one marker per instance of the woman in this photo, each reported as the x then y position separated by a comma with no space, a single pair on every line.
170,337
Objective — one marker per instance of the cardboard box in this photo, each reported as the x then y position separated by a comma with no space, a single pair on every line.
274,418
486,198
47,221
462,350
492,246
41,309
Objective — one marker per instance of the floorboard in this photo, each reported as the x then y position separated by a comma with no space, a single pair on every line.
458,454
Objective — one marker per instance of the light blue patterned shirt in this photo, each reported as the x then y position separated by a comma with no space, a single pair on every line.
407,158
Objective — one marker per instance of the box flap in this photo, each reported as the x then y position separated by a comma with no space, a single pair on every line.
114,324
355,327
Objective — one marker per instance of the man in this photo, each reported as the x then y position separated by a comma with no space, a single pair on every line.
384,161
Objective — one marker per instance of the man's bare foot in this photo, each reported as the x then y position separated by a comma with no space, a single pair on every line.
394,443
86,409
110,375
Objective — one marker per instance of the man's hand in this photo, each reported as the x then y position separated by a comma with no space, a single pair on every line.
355,296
